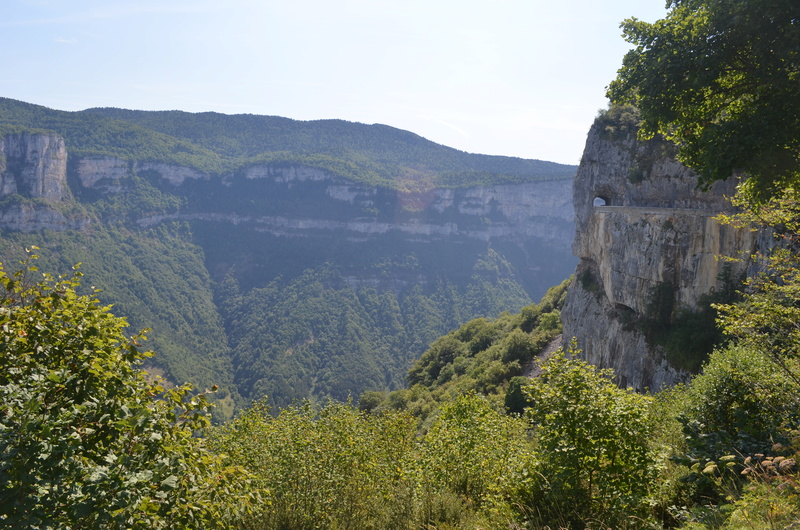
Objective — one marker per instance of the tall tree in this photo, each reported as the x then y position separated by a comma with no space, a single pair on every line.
721,78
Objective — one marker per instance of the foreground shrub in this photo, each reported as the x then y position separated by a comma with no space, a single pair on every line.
593,438
335,467
474,462
85,440
742,405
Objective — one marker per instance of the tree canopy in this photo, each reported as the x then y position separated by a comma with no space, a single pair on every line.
722,80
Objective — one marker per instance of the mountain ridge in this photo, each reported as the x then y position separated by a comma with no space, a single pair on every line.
215,143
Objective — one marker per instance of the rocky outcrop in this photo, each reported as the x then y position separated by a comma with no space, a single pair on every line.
541,210
288,174
101,172
641,224
29,217
532,221
515,212
104,173
33,165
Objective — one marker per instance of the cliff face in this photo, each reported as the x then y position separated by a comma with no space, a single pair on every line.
295,201
513,213
101,172
33,165
641,225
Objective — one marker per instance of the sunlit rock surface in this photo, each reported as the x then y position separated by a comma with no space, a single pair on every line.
640,223
33,165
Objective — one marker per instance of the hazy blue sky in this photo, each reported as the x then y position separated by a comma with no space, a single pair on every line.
505,77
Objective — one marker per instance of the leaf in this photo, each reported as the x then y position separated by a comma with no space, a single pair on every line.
171,482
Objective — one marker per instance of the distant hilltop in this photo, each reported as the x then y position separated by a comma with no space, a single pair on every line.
214,144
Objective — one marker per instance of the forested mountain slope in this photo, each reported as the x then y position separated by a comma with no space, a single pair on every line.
270,256
490,357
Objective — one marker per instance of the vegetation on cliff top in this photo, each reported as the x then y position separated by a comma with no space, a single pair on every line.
214,143
721,80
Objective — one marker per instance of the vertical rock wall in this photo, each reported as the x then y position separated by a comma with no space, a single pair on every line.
33,165
641,224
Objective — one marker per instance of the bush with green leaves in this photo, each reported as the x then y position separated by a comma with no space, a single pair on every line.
332,467
740,404
594,440
473,463
86,441
482,355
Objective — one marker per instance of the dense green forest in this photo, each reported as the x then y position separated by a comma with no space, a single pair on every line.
471,444
317,336
158,280
305,334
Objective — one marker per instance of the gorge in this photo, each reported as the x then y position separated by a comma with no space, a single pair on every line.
271,264
391,265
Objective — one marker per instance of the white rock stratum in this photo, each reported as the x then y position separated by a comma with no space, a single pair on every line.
35,166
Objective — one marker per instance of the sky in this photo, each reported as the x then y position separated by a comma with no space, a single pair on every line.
518,78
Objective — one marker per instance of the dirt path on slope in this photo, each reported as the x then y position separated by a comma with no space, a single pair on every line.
532,369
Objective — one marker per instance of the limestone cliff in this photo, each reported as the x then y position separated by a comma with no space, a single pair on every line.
533,220
33,168
641,224
514,212
33,165
101,172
